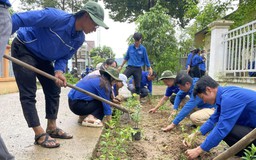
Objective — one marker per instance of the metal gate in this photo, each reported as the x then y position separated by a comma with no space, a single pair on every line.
240,51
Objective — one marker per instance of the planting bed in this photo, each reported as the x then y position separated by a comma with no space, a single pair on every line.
158,145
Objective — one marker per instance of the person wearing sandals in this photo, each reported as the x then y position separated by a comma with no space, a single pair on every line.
92,111
46,39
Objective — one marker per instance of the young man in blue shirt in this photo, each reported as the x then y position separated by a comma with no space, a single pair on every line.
169,80
233,119
5,32
47,37
186,85
136,57
145,84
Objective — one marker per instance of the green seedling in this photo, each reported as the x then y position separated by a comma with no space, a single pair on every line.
191,139
250,153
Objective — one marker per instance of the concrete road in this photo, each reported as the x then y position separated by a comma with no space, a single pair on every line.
20,139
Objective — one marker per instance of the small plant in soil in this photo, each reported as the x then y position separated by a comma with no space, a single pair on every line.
164,108
191,140
134,104
250,153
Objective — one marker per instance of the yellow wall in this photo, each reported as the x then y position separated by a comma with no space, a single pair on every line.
7,84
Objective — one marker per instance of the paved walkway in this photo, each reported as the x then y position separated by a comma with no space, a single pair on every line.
19,138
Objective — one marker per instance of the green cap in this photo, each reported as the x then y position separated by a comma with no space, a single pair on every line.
96,12
113,72
167,74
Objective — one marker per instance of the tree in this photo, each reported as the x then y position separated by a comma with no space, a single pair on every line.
96,60
158,38
66,5
211,11
129,10
245,13
104,52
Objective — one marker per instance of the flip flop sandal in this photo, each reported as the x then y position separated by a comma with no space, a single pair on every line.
97,123
46,142
56,134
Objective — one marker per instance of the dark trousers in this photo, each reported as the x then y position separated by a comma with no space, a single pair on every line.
26,81
195,72
82,108
172,98
143,92
136,72
237,133
202,73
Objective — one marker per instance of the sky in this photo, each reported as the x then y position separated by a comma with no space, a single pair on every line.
114,37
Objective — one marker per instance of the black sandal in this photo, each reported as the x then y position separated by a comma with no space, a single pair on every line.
46,142
56,134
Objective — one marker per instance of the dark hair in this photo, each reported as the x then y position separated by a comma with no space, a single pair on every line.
137,36
79,14
196,50
108,62
182,78
105,82
154,74
202,83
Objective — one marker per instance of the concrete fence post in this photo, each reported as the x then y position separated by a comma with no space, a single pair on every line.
216,64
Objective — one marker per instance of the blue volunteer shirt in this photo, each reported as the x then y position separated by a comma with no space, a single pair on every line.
7,2
235,106
202,64
196,60
49,34
170,90
137,57
189,59
190,105
91,85
144,81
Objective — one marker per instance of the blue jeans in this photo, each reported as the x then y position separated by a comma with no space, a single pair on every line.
5,32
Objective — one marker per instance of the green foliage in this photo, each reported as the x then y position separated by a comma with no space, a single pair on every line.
115,139
133,104
127,10
250,154
67,5
11,11
71,79
100,54
211,12
96,60
245,13
160,42
103,52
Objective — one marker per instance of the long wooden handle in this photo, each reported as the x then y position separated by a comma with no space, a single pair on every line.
69,85
238,146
